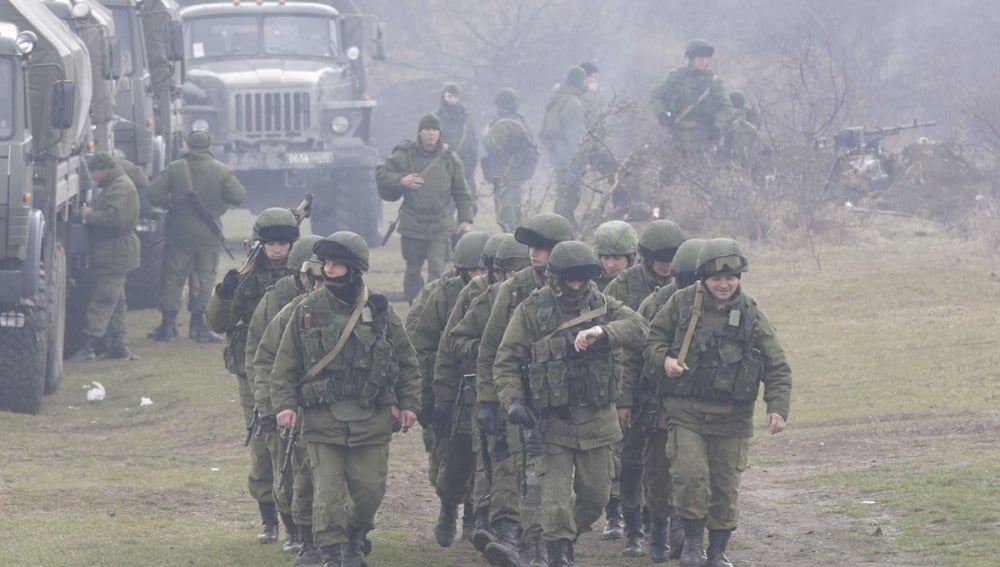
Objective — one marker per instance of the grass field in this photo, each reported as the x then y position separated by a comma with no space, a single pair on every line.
890,457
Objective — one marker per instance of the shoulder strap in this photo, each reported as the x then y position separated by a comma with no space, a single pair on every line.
688,110
348,329
481,282
581,318
695,315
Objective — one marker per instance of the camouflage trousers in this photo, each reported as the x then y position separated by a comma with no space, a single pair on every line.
527,484
656,467
260,481
627,484
457,468
507,205
106,311
276,449
567,191
416,251
576,485
435,454
177,266
705,471
342,475
302,485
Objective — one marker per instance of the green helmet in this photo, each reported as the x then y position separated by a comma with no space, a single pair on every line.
346,247
301,251
721,256
276,225
575,77
544,231
574,260
615,238
491,247
698,48
469,250
686,258
507,99
660,240
512,256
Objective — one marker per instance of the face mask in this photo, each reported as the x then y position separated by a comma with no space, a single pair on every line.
346,287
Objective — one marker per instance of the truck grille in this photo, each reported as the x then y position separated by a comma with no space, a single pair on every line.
262,113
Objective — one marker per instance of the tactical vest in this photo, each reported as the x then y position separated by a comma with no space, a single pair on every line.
637,287
559,376
725,365
285,291
366,370
245,301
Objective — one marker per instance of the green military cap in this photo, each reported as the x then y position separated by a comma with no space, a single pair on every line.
575,76
698,48
199,140
452,88
429,122
100,160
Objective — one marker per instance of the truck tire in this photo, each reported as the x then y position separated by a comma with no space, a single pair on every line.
354,206
57,319
23,351
144,284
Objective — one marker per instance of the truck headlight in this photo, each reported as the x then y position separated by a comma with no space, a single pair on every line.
353,53
340,124
200,125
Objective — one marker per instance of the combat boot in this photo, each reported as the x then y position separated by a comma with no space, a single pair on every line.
331,556
504,551
292,542
555,553
269,523
309,554
717,542
676,537
167,330
200,330
633,534
483,535
468,521
86,351
614,528
117,347
693,554
354,549
659,550
532,552
444,531
569,553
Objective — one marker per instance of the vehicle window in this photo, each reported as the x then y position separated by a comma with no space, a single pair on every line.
299,35
6,99
223,37
123,29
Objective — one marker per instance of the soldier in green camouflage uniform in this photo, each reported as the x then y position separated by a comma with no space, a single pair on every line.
567,333
459,132
616,244
563,130
114,252
191,245
430,179
743,143
692,103
708,394
540,233
511,158
230,310
347,405
658,243
681,270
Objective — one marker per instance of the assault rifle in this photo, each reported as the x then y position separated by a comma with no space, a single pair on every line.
302,212
858,139
251,427
290,435
193,200
462,387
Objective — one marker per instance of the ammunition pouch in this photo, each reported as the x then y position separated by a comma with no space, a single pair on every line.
559,376
235,353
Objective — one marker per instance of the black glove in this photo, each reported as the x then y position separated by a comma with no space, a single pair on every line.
426,416
267,424
230,282
442,419
519,414
486,417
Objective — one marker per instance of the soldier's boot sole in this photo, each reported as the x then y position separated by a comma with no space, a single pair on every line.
481,538
502,555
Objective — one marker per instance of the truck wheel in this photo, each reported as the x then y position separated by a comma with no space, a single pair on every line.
23,351
143,284
57,319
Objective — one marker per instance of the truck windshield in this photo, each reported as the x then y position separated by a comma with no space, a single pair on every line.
6,99
262,36
123,29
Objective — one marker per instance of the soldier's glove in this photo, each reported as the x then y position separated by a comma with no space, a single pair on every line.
267,424
227,289
519,414
486,417
442,419
426,416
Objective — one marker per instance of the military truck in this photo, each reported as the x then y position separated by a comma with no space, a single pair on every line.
282,88
45,76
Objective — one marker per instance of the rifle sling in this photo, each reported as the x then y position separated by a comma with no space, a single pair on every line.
695,315
311,374
692,106
582,317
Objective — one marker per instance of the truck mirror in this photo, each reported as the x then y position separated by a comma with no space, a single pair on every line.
175,43
111,62
378,42
63,99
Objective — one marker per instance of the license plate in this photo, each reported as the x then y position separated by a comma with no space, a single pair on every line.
308,158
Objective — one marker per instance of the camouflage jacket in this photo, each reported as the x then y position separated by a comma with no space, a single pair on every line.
450,365
425,329
281,294
634,284
114,244
705,95
459,132
564,125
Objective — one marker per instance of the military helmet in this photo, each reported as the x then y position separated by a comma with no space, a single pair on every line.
686,258
491,247
301,251
199,140
660,240
573,260
575,77
512,256
344,246
698,48
721,256
589,68
276,225
507,99
544,231
469,250
738,99
615,238
313,267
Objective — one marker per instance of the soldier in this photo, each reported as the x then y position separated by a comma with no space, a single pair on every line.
284,291
742,142
114,252
458,131
230,310
428,177
347,370
540,233
616,244
593,100
197,190
566,333
563,130
710,347
511,158
682,270
692,103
